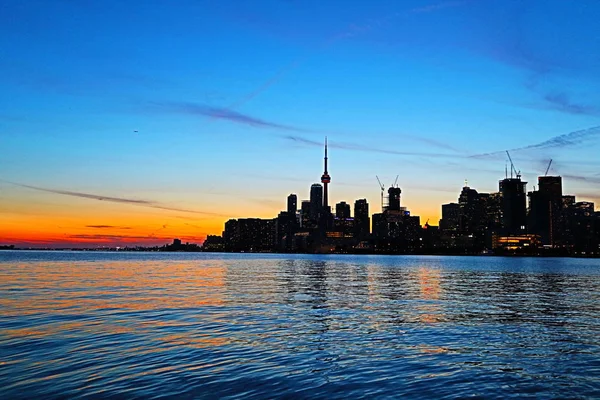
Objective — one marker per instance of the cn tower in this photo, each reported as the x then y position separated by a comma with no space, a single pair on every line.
325,179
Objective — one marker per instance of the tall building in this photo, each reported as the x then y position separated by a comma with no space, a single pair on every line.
394,198
316,201
450,217
305,214
470,210
568,201
583,228
551,185
491,206
342,210
292,204
362,222
396,232
325,179
514,205
545,209
285,229
249,234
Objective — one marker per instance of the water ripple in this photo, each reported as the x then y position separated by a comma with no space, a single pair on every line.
95,325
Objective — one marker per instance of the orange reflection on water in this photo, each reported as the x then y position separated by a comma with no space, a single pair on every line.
430,289
429,349
429,283
181,339
85,286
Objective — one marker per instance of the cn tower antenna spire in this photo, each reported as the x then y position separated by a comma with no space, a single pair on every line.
325,179
325,154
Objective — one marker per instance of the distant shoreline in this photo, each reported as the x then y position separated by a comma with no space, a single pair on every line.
449,254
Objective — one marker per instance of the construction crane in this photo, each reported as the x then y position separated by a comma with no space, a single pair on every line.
548,169
382,190
512,167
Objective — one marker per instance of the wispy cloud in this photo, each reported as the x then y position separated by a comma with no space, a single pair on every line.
432,142
360,147
565,140
437,7
557,100
193,225
112,199
352,31
107,227
581,178
221,113
507,37
268,203
85,195
113,237
560,101
101,238
164,226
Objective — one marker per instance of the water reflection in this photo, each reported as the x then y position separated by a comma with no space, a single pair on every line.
272,327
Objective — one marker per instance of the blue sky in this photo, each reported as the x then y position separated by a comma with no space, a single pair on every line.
229,97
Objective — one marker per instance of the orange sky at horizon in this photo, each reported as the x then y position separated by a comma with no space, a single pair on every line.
37,219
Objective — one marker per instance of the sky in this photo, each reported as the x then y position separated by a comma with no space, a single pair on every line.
132,123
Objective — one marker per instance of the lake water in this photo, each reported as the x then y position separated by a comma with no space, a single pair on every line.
150,325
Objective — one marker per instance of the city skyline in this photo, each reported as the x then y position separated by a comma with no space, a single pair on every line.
142,134
487,221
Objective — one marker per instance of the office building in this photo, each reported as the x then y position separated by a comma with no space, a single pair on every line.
362,222
316,201
342,210
450,221
545,210
394,198
514,205
292,204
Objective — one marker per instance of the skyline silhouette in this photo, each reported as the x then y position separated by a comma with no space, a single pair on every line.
512,220
158,122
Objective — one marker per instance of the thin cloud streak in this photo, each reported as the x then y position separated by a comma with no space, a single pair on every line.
516,47
560,102
114,237
582,178
436,7
222,113
353,30
107,227
359,147
85,195
122,200
565,140
193,225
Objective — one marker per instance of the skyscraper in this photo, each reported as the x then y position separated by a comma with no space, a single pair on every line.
361,218
394,198
316,201
305,214
545,209
342,210
514,205
450,217
325,179
470,214
552,185
292,204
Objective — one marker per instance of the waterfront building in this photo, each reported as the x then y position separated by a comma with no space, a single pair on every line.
342,210
545,209
362,222
514,205
292,204
249,235
450,221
